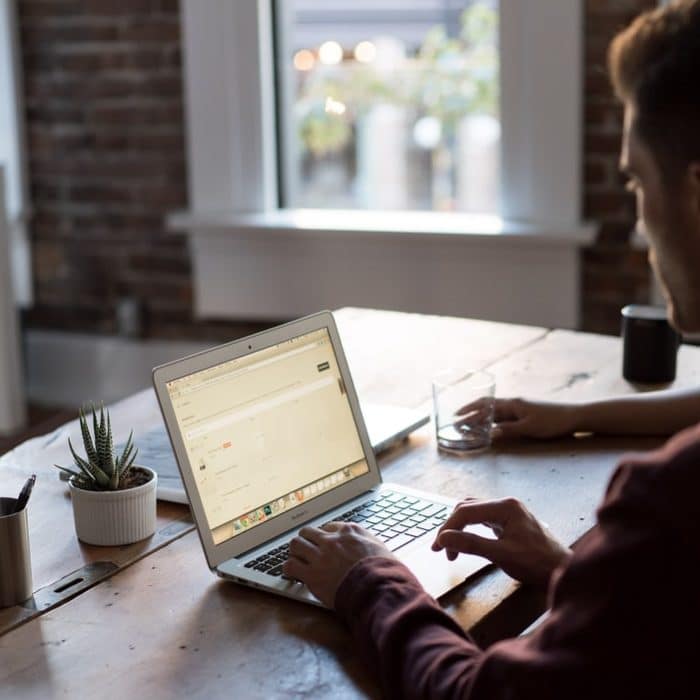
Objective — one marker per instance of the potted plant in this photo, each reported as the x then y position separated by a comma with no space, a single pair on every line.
114,500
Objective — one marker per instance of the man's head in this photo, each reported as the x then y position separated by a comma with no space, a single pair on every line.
655,69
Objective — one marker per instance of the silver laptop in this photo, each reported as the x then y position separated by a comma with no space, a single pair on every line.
269,437
386,424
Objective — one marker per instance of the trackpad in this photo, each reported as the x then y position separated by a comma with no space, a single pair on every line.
436,573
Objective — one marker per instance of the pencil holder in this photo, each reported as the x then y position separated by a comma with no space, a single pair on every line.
15,562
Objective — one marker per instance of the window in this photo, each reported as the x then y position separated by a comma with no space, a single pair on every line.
389,105
253,242
233,134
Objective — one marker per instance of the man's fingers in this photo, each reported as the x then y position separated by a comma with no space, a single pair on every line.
468,543
312,534
476,512
478,405
504,410
476,416
473,513
294,568
303,549
507,430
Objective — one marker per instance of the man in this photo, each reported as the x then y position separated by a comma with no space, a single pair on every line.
625,608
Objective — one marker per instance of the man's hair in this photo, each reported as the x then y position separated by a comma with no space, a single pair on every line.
655,66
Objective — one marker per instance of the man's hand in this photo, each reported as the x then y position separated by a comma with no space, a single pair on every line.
523,548
321,558
515,418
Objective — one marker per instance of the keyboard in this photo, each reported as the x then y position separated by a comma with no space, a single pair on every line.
394,518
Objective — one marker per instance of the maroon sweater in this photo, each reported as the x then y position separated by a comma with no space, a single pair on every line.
625,611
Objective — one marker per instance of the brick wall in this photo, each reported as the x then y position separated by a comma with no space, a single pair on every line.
104,106
107,161
614,273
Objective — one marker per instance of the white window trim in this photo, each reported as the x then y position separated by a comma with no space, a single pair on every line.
13,154
12,409
232,149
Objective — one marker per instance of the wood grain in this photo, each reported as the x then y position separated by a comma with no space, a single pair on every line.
164,626
55,549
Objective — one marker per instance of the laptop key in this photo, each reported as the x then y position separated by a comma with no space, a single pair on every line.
432,510
399,541
416,532
276,571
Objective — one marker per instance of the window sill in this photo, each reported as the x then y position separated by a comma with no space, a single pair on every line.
383,224
284,264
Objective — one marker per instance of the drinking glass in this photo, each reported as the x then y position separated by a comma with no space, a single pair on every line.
463,405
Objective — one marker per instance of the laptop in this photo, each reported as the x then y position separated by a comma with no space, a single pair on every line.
269,437
387,425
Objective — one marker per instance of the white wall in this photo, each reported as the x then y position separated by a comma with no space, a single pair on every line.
264,275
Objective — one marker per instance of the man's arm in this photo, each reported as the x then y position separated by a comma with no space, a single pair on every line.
653,413
624,617
605,636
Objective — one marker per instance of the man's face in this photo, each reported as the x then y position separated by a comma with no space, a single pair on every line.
669,216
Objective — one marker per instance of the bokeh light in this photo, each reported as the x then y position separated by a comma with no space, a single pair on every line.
330,53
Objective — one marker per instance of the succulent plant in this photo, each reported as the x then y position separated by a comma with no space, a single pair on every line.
101,469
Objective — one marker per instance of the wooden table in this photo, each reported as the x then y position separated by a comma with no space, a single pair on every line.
153,621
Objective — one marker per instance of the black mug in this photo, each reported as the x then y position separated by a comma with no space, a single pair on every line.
650,345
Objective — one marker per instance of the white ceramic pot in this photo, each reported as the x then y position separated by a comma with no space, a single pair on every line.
115,517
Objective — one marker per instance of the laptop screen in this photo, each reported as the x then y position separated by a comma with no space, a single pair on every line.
267,432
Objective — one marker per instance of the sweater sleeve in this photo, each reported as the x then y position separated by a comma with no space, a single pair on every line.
610,622
405,637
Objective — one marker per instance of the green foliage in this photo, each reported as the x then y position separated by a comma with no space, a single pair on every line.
100,469
449,79
323,133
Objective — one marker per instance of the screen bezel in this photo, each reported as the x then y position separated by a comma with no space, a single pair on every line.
268,530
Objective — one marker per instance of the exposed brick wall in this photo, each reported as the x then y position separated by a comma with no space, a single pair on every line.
614,273
104,106
105,129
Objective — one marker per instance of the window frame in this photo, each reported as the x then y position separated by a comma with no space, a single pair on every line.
250,256
235,168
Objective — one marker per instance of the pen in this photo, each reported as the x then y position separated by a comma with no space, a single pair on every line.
25,493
